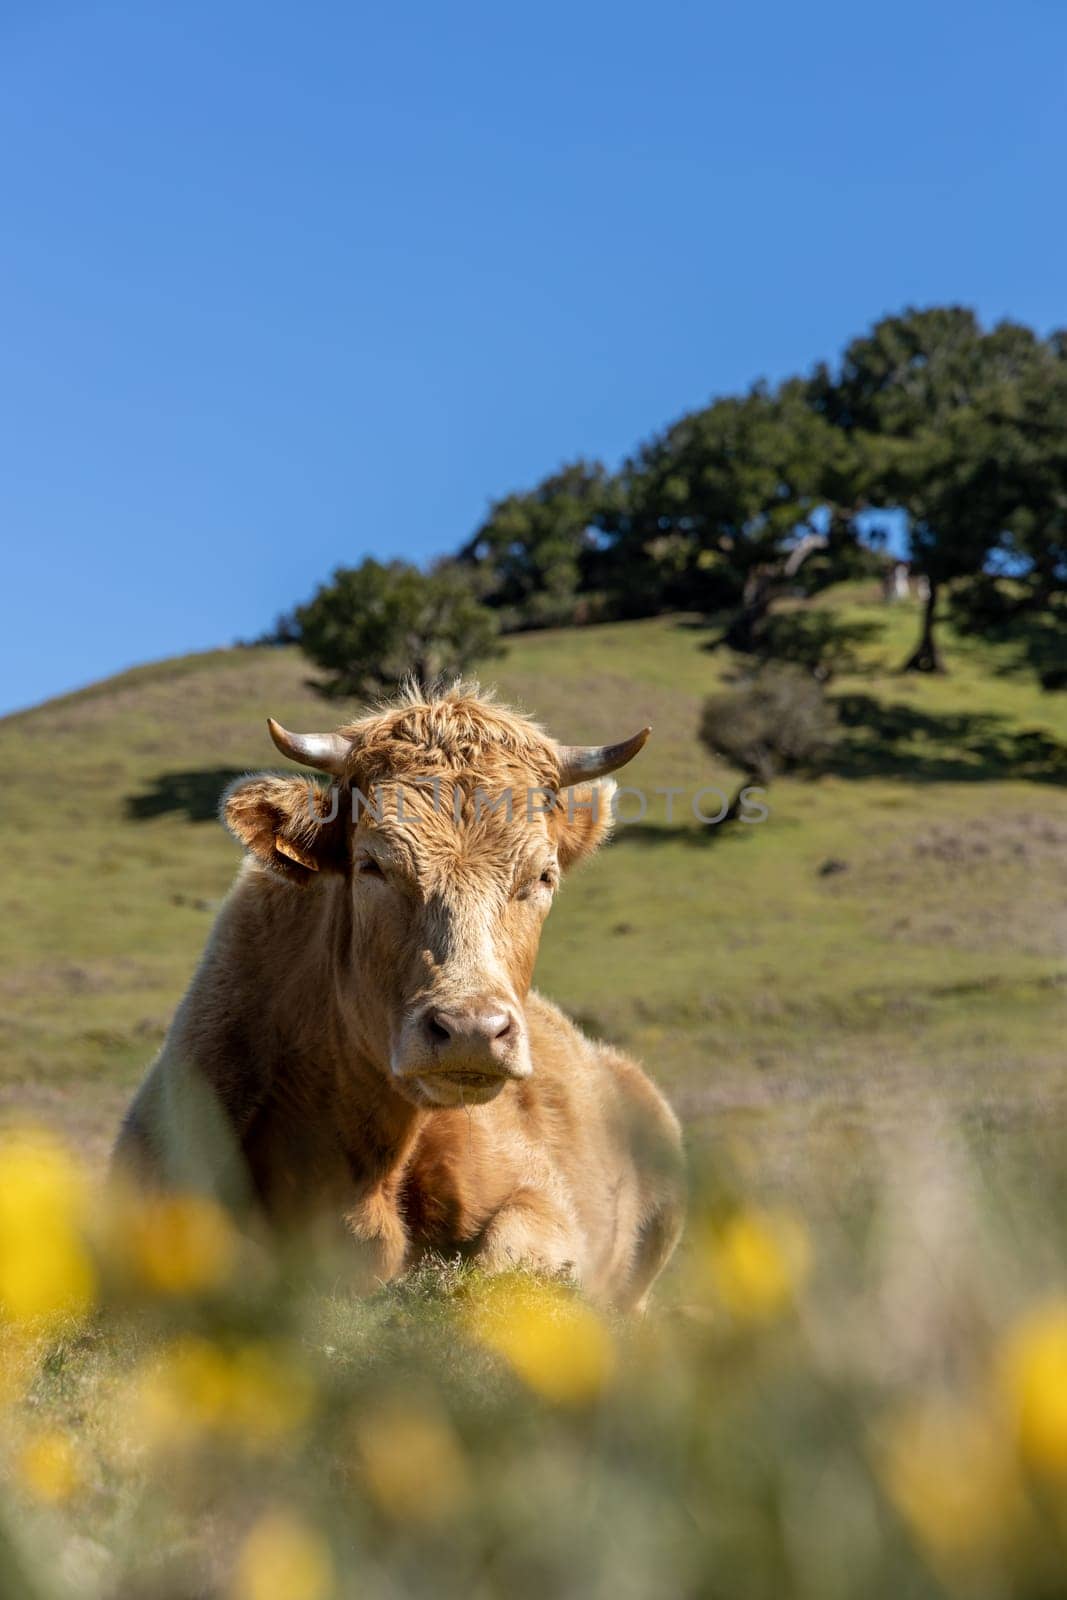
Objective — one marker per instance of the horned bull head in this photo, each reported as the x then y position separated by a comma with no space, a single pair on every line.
578,763
444,918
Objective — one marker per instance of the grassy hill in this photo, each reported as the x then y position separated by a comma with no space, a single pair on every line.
852,1377
892,936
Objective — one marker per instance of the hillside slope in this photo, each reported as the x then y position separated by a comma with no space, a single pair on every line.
892,935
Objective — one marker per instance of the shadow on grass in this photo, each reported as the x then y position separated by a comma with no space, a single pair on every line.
1033,644
696,836
1018,632
196,792
877,740
814,639
897,740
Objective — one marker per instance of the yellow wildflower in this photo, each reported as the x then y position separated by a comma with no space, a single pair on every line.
47,1466
411,1460
45,1269
283,1559
1034,1384
252,1394
949,1473
756,1262
556,1343
178,1244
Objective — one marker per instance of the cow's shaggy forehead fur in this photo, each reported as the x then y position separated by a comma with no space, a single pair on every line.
460,730
464,791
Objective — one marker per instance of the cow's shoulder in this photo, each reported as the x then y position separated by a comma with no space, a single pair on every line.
617,1083
552,1029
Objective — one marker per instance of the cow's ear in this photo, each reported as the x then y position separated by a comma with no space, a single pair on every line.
290,824
584,818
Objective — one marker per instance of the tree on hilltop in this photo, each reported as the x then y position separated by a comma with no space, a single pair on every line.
924,395
534,551
374,625
723,509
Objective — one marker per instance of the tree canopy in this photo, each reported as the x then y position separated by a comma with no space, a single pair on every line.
374,625
958,430
932,404
534,551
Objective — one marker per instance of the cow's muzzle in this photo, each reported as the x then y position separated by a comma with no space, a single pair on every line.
462,1053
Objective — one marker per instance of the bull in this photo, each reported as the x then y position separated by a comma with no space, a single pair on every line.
361,1049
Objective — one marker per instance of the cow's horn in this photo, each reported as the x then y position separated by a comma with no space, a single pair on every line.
580,762
328,752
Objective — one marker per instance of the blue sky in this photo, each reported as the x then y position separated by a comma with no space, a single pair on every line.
282,286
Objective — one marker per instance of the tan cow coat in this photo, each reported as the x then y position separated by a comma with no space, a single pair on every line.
277,1087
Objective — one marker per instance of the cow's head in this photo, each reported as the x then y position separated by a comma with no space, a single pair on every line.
440,845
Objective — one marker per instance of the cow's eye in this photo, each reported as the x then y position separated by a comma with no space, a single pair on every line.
527,890
369,868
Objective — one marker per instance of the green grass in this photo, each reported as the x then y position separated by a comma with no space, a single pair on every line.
859,1008
761,987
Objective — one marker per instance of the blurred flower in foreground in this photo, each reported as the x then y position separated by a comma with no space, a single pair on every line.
47,1466
45,1268
176,1244
949,1472
411,1460
556,1343
756,1261
1034,1382
283,1559
251,1394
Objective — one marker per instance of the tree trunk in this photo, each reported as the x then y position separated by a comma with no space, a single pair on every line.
741,634
926,657
758,779
762,587
735,804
